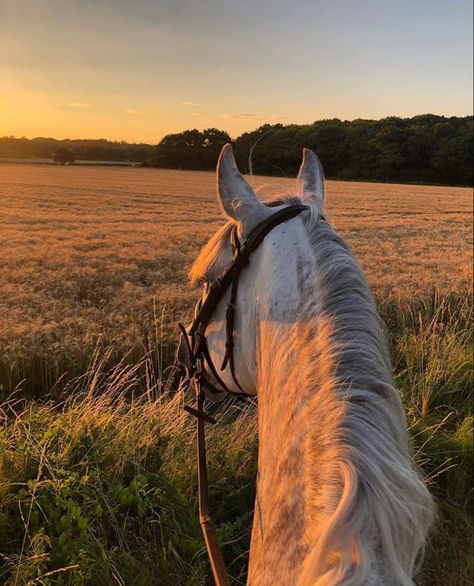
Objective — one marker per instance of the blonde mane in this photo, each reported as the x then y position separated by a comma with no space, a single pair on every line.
211,255
357,442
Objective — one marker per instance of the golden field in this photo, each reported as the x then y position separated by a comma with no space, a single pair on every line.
97,255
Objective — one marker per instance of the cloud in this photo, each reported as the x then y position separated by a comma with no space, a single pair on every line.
80,105
253,117
133,112
189,104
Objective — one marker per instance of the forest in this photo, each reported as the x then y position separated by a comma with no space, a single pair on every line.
422,149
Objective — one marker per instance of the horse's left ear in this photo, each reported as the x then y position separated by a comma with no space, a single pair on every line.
237,198
311,180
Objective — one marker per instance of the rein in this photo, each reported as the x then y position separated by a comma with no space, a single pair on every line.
199,357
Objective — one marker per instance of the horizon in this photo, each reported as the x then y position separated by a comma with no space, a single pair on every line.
233,138
137,72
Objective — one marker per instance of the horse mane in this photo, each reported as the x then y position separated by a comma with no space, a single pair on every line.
210,259
363,487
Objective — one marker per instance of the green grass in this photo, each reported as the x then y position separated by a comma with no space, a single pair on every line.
97,485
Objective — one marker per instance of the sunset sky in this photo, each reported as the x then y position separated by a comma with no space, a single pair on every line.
136,70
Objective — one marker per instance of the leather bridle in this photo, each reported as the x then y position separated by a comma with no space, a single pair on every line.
195,337
198,358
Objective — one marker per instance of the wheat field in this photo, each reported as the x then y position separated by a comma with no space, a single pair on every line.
92,256
97,466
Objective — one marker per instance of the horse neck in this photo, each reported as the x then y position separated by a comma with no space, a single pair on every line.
279,543
312,523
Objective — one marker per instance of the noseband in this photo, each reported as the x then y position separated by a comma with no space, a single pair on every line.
198,355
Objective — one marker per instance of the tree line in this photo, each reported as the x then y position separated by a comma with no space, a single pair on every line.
83,149
421,149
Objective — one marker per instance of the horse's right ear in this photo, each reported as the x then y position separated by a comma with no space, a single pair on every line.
237,198
311,180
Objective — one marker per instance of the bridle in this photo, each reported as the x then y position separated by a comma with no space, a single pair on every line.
195,338
199,357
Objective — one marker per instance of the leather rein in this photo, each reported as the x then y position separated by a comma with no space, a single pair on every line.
199,360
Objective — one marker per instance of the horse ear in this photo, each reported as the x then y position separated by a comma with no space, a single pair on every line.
311,180
237,198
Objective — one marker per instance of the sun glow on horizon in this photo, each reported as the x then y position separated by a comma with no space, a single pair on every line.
138,72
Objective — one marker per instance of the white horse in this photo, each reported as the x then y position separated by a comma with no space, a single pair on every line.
338,499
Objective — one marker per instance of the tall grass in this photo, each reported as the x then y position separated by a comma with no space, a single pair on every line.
98,482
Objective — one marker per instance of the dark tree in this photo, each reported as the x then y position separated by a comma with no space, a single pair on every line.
64,156
422,149
191,149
